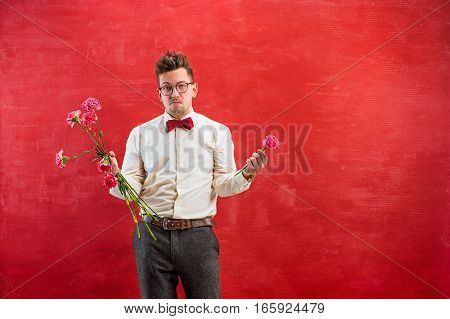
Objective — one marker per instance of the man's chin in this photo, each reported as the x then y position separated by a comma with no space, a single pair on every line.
177,108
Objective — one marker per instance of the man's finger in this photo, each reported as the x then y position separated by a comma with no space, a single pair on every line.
263,155
249,164
254,162
258,158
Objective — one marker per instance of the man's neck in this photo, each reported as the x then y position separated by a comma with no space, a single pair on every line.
180,116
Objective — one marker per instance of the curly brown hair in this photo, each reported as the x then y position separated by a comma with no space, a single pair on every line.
172,60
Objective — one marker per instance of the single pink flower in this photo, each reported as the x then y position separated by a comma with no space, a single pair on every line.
110,181
88,118
91,105
73,117
103,167
61,159
271,142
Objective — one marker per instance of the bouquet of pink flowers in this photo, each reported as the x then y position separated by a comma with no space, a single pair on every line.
270,142
88,121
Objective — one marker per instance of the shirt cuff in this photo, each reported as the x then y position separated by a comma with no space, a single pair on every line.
242,181
116,192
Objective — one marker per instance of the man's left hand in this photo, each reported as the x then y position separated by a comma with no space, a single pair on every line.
255,163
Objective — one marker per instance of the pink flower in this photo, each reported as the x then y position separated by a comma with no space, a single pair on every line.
61,159
271,142
73,117
103,167
89,118
91,105
110,181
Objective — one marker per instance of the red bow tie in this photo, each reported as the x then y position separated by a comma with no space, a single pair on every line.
186,123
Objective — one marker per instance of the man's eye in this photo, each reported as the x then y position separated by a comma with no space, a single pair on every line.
182,86
167,88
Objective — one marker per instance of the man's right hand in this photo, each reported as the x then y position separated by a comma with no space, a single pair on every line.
115,165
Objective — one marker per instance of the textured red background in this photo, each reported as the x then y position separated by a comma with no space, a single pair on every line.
370,221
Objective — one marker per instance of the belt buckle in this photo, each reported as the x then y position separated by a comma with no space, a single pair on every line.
164,223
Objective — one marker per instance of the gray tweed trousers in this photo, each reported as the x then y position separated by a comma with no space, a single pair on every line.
190,254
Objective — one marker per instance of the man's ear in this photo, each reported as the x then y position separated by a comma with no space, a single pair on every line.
159,94
195,89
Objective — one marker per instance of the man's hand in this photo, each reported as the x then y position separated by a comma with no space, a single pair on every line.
254,164
115,165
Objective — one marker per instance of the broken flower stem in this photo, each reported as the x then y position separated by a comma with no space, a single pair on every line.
262,149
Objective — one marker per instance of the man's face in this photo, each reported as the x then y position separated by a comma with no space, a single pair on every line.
177,104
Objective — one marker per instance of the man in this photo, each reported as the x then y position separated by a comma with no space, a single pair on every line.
179,163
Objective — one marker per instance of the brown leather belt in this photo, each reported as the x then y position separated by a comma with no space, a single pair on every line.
174,224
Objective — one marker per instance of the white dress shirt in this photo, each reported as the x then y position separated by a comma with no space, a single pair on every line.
180,173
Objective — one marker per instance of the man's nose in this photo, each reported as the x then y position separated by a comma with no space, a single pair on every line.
175,92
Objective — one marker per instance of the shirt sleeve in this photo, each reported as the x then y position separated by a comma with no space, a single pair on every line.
225,182
132,166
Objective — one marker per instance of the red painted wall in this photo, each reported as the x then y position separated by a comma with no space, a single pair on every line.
357,207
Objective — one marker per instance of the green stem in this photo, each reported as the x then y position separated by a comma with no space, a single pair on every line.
97,140
82,154
150,231
140,200
100,135
127,201
89,134
139,233
127,191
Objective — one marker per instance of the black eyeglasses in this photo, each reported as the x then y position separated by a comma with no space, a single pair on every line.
181,87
